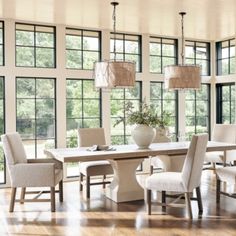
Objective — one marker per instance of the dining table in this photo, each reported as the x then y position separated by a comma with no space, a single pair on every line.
125,159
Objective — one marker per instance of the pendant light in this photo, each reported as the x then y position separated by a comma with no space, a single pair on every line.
114,73
181,77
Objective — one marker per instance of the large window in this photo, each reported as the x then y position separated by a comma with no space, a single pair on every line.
225,57
225,103
162,52
163,100
1,43
120,134
2,131
35,46
83,110
128,48
197,111
36,114
83,48
198,53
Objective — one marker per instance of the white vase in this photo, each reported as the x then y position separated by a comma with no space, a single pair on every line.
143,135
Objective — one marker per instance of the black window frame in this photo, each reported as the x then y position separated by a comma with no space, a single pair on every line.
82,49
35,47
161,55
3,43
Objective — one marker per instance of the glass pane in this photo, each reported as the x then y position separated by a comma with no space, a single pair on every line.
131,47
88,59
155,64
89,90
1,55
225,66
73,42
168,50
167,61
45,108
232,65
45,128
133,58
225,109
73,88
190,108
24,38
232,51
189,51
25,108
155,90
73,59
90,43
119,46
226,93
26,128
118,94
44,39
91,123
201,52
45,57
24,56
117,108
25,88
73,108
155,49
91,108
72,126
45,88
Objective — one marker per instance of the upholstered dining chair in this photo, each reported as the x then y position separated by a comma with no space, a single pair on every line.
182,182
227,175
30,172
88,137
222,133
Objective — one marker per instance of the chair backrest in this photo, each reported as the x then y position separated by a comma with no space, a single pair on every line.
224,133
192,169
13,148
91,136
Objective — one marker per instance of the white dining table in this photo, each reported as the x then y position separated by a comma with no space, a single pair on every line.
125,159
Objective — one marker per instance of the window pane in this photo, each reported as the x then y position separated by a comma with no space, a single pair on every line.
89,59
24,56
73,59
24,38
44,57
73,42
90,43
44,39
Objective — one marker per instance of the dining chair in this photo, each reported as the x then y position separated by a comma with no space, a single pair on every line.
222,133
182,182
88,137
227,175
30,172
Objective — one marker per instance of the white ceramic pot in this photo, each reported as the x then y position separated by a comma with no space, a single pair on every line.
143,135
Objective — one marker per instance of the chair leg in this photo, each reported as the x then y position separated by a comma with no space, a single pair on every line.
188,205
88,186
199,200
81,182
149,201
53,199
61,191
163,200
13,197
218,183
22,196
103,180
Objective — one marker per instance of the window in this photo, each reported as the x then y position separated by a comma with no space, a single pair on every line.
1,43
162,52
225,103
225,57
83,48
197,111
83,110
36,114
163,100
35,46
128,48
120,134
2,131
198,53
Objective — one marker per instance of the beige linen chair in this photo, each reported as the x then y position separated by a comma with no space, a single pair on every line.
87,138
30,172
182,182
222,133
228,175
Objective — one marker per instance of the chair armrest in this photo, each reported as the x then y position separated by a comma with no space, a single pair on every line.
58,164
33,175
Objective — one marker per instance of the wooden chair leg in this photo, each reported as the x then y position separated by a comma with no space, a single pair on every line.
61,191
149,201
22,196
13,197
53,205
199,200
218,183
103,180
81,182
188,205
163,200
88,186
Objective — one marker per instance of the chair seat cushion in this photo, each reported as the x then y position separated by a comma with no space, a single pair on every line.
227,174
92,168
214,157
165,181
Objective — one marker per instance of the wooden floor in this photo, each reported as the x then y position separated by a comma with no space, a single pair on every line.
100,216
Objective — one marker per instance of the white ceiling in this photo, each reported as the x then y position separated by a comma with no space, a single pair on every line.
205,19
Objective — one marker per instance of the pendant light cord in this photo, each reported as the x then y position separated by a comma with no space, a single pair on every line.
182,38
114,4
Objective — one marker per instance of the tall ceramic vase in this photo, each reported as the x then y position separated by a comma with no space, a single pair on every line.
143,135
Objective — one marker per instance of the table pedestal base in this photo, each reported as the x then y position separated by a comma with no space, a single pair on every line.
124,186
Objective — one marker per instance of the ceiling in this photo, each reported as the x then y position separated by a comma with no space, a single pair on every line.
205,19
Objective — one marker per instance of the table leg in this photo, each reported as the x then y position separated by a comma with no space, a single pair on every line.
124,186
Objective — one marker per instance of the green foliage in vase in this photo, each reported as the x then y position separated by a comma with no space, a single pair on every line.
146,115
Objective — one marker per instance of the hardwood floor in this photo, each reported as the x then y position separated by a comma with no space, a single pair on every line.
100,216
